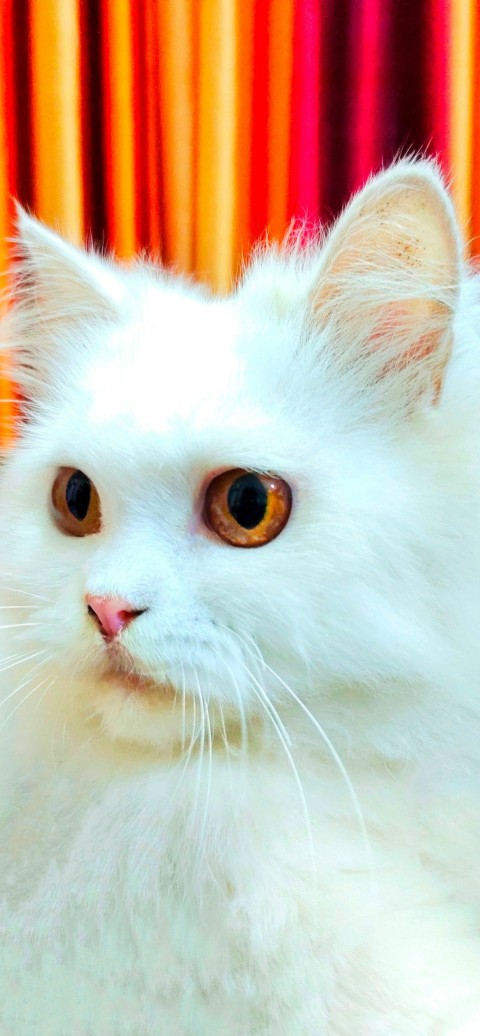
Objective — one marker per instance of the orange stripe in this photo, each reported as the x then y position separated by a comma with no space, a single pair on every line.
117,49
462,34
176,30
216,198
55,66
7,407
280,58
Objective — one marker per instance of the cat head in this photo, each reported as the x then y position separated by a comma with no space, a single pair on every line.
215,509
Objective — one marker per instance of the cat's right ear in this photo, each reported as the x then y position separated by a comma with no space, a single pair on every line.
56,287
54,270
387,289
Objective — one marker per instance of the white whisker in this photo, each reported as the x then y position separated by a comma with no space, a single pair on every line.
286,743
27,593
13,655
20,625
241,709
22,702
201,752
338,762
203,830
254,651
184,706
26,680
224,732
243,718
23,658
47,688
185,758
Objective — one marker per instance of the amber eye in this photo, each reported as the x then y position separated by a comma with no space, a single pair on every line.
246,509
76,504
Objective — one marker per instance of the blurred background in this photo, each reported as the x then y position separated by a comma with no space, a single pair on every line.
190,128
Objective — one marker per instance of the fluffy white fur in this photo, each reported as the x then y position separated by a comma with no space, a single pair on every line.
283,838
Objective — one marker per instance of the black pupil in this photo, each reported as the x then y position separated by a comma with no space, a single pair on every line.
247,501
78,495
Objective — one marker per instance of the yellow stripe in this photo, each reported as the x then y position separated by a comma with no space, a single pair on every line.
216,196
462,34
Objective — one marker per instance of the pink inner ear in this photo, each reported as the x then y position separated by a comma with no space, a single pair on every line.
401,318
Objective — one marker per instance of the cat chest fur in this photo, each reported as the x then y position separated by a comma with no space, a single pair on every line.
147,910
152,915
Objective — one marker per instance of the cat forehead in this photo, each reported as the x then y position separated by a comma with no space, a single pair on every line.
178,359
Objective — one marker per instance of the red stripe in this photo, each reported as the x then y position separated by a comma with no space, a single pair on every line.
368,47
436,73
259,140
304,185
141,60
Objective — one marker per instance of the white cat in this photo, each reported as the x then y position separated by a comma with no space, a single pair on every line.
241,787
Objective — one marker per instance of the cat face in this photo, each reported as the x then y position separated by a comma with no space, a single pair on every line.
210,514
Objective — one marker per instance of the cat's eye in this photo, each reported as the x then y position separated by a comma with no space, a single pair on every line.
247,509
75,503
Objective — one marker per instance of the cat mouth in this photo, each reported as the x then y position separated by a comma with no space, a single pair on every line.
126,677
137,683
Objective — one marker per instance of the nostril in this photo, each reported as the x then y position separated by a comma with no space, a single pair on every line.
127,616
111,614
91,611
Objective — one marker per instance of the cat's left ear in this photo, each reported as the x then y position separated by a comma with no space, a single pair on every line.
389,281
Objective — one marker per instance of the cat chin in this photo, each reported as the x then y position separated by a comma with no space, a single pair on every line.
161,718
143,687
153,721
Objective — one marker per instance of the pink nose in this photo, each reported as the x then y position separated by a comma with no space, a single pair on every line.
112,614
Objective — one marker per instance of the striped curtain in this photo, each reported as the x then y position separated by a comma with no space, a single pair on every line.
189,128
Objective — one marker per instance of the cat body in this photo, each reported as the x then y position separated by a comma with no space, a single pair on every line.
252,807
118,933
